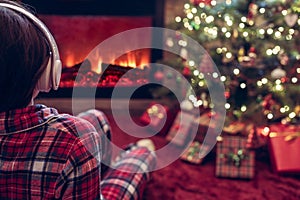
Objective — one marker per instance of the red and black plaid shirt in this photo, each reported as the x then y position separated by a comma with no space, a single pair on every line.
46,155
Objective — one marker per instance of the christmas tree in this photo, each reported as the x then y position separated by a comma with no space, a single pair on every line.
256,47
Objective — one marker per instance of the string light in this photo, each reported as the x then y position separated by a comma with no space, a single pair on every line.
178,19
201,83
215,75
266,131
270,31
291,31
194,10
261,31
201,76
269,52
289,37
259,83
223,78
201,5
270,116
213,2
209,19
264,80
277,35
228,2
279,87
292,115
243,85
228,55
281,29
245,34
294,80
243,108
284,12
190,15
244,19
282,110
227,106
287,108
186,6
196,72
228,34
236,71
262,10
199,17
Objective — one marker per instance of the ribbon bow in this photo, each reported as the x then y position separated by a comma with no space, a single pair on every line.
291,137
154,111
236,158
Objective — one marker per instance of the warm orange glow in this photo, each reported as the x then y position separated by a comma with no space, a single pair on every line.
70,61
98,67
136,59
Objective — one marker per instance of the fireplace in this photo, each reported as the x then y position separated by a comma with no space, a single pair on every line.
79,26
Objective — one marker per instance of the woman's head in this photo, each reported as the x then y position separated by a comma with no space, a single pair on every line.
24,54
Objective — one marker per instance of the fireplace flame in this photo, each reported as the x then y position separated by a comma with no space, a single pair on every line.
135,59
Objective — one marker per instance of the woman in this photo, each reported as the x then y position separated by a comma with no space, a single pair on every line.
45,154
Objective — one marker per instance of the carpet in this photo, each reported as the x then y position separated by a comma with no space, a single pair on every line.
184,181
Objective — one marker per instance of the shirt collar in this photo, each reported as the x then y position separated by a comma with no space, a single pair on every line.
24,118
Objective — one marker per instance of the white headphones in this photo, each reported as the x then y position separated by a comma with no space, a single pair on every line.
51,76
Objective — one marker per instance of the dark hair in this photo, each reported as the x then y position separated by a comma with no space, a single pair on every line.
24,55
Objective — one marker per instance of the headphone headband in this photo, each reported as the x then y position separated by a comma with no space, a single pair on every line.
51,76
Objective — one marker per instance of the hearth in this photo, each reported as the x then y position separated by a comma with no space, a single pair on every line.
78,27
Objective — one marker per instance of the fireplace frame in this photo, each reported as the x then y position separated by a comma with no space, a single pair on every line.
120,8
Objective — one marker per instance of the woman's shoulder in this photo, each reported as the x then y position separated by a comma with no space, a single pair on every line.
72,125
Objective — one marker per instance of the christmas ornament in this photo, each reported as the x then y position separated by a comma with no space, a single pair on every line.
159,75
186,105
197,2
252,13
291,19
241,54
283,58
186,71
278,73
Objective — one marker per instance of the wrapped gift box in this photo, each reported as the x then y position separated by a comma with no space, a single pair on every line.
284,149
233,159
195,153
180,130
156,113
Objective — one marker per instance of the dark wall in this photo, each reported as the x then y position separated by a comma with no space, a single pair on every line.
97,7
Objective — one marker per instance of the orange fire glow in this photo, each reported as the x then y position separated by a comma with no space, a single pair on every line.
135,59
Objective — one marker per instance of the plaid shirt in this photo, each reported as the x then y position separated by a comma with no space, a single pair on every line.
46,155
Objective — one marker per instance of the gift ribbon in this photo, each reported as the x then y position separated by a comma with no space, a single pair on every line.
154,111
193,150
288,136
236,158
291,137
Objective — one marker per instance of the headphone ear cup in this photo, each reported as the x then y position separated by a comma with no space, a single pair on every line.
56,74
44,83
